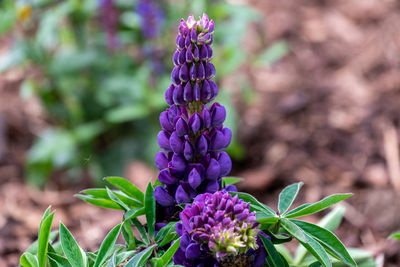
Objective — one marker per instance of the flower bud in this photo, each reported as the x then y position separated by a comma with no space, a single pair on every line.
161,160
163,140
165,177
194,178
176,143
162,197
181,127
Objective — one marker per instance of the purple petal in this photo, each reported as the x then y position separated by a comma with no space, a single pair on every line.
193,251
161,160
181,196
201,72
168,94
213,170
165,123
181,127
176,143
188,93
194,178
184,72
218,114
212,186
163,140
162,197
165,177
225,163
178,95
201,145
188,151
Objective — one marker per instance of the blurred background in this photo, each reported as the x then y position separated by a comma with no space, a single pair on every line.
312,89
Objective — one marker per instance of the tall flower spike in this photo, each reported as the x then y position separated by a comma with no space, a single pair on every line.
192,138
218,230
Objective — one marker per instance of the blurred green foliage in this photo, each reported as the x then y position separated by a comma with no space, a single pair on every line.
103,103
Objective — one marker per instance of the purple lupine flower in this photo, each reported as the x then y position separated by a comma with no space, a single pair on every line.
151,18
193,137
109,18
218,230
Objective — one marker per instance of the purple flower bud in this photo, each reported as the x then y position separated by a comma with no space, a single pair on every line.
187,41
200,72
188,93
214,89
188,152
180,41
218,114
206,91
203,53
168,95
195,123
182,56
210,70
201,145
162,197
211,26
181,196
193,35
193,251
203,38
218,141
213,170
175,57
212,186
194,178
176,143
209,51
189,54
196,92
165,123
165,177
206,117
175,75
178,163
196,53
193,72
184,72
181,127
228,135
230,188
161,160
163,140
178,95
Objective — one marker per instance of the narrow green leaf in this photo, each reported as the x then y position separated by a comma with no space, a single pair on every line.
71,248
307,241
44,235
230,180
140,259
327,239
318,206
104,203
133,213
114,198
266,218
164,231
101,193
141,230
113,261
107,245
150,209
28,260
395,235
287,196
167,257
33,248
254,203
278,238
128,235
126,187
297,209
273,257
315,264
59,260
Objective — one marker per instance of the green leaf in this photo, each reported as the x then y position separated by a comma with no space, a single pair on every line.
141,230
273,257
44,234
318,206
128,235
114,198
133,213
107,245
307,241
327,239
71,248
150,209
273,53
33,248
59,260
127,113
287,196
113,261
170,227
278,238
167,257
101,193
104,203
28,260
395,235
266,218
315,264
230,180
126,187
254,203
140,259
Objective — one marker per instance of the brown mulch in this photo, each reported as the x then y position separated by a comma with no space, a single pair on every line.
326,114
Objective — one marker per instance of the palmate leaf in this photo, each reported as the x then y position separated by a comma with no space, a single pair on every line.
327,239
287,196
318,206
72,251
107,245
316,249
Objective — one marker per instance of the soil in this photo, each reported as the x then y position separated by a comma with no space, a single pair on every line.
326,114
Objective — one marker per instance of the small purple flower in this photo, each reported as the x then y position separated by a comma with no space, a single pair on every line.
151,18
218,229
